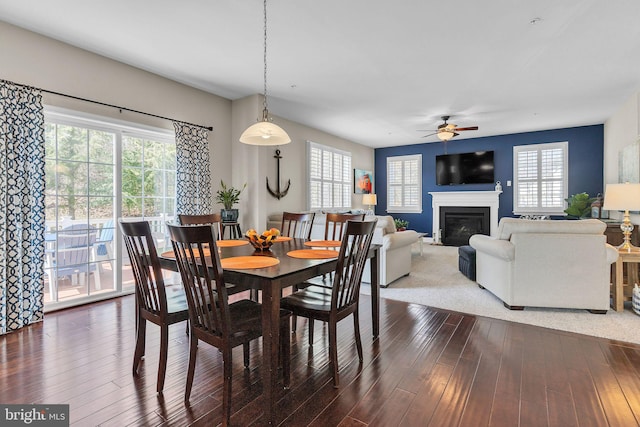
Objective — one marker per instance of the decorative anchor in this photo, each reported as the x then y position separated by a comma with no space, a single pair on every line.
278,194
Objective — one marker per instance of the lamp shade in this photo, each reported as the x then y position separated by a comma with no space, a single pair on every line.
622,197
369,199
265,133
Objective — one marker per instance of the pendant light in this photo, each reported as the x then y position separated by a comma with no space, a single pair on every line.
265,132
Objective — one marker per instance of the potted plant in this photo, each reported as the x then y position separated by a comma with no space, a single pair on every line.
579,205
401,224
229,196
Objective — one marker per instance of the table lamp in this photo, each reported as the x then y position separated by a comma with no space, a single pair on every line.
623,197
369,199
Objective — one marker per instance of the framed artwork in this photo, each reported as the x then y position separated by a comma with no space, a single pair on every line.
362,181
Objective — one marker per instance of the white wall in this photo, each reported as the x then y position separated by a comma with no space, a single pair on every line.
259,163
32,59
620,130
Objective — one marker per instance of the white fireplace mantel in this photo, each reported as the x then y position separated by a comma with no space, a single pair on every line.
488,199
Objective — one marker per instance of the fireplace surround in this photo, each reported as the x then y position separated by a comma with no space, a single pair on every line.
490,199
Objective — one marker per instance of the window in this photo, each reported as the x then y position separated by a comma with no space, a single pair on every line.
98,170
329,171
540,178
404,183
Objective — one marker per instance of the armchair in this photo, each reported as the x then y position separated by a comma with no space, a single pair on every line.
560,264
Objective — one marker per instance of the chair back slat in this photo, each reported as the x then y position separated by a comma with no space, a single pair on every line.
336,224
195,250
297,225
356,242
214,219
145,266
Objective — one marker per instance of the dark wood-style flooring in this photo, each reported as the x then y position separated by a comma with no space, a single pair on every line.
429,368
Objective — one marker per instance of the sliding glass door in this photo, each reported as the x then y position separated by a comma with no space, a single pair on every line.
96,172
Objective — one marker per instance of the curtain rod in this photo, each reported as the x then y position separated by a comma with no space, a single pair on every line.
209,128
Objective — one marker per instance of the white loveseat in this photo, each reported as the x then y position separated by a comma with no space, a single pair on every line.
394,256
561,264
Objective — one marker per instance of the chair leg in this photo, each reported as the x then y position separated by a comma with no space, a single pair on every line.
285,351
356,328
310,332
294,323
193,349
333,351
164,348
140,344
226,387
245,350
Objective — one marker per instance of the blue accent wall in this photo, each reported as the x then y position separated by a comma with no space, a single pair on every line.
586,160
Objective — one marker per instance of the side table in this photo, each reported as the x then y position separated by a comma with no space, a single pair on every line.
234,230
621,291
421,237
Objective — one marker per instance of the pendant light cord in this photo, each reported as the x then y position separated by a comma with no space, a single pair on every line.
264,100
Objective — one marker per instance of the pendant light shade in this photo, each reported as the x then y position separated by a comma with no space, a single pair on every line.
265,132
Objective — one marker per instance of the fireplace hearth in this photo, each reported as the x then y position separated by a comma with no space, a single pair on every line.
458,223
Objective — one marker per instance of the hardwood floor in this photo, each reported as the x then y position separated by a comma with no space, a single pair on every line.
429,368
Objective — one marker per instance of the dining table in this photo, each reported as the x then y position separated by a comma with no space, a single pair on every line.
287,272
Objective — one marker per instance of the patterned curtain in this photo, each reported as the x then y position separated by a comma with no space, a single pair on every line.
21,206
193,186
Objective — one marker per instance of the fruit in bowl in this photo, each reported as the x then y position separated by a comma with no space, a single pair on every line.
262,242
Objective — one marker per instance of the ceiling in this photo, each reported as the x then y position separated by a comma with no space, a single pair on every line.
375,71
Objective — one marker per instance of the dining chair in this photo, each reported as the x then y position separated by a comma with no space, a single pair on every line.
214,219
155,302
220,324
335,304
333,230
297,225
335,224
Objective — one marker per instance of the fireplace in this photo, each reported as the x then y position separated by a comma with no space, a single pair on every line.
458,223
474,199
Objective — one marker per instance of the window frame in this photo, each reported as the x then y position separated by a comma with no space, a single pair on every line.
539,148
346,182
405,208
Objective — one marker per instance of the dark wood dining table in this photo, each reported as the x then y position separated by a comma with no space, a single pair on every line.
271,281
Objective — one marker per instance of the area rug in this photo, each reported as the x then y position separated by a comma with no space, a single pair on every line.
436,282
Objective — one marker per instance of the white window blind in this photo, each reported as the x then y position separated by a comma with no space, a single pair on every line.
329,176
404,183
540,178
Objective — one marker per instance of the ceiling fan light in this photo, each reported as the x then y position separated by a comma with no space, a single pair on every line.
265,133
445,135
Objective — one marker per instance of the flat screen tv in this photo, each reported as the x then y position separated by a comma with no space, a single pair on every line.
465,168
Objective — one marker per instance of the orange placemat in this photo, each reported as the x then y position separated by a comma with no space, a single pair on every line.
248,262
313,253
230,243
171,254
282,239
324,243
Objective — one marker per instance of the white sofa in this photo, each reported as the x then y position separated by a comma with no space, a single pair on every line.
395,255
561,264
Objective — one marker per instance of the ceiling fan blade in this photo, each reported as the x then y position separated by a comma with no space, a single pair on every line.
467,128
430,134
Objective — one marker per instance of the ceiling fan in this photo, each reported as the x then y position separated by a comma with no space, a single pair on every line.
446,131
